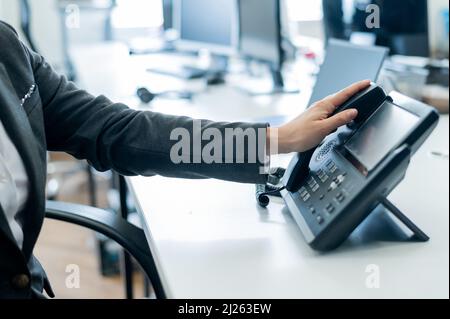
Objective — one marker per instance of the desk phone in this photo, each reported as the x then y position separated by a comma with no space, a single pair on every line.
331,189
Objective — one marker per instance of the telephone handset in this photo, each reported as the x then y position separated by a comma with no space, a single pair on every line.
366,102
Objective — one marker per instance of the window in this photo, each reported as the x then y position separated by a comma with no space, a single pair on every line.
138,14
301,10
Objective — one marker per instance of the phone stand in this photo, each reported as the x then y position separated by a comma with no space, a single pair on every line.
419,235
382,226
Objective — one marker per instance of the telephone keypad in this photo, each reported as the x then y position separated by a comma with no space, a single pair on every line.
330,177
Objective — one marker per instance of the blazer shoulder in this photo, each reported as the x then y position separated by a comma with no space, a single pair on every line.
10,41
13,50
7,31
15,59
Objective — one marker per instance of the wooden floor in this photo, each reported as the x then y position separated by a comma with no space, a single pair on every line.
61,245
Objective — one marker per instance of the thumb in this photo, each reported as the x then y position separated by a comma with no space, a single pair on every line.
340,119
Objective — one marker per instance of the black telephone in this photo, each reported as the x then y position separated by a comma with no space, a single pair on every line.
331,189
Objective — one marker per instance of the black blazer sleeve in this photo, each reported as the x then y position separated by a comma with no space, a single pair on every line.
113,136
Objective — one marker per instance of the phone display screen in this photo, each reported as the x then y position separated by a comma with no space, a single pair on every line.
380,135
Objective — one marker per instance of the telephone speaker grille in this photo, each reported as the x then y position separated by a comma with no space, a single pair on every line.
325,150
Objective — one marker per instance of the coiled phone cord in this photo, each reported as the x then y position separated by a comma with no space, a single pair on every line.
271,188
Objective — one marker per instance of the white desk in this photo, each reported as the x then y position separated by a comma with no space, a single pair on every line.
211,240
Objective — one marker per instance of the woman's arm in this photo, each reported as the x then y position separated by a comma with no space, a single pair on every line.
112,136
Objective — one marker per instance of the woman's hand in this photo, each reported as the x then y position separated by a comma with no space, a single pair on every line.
311,127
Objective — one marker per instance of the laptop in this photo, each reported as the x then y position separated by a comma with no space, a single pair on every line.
346,63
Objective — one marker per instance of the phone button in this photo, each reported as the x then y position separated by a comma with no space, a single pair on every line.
340,197
330,209
320,219
333,186
332,167
322,176
313,185
304,194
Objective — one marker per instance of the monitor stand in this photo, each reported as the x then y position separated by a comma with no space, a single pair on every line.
278,86
165,43
162,47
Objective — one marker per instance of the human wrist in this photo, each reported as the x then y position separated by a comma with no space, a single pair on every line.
278,141
284,141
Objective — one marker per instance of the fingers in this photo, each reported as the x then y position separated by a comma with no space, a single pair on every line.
343,118
342,96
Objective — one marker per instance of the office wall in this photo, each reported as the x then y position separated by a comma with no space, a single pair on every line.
45,24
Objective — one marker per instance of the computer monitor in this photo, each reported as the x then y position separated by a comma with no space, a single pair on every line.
167,14
207,24
403,27
260,37
260,31
345,64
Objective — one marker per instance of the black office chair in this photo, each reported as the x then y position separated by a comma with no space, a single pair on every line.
130,237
